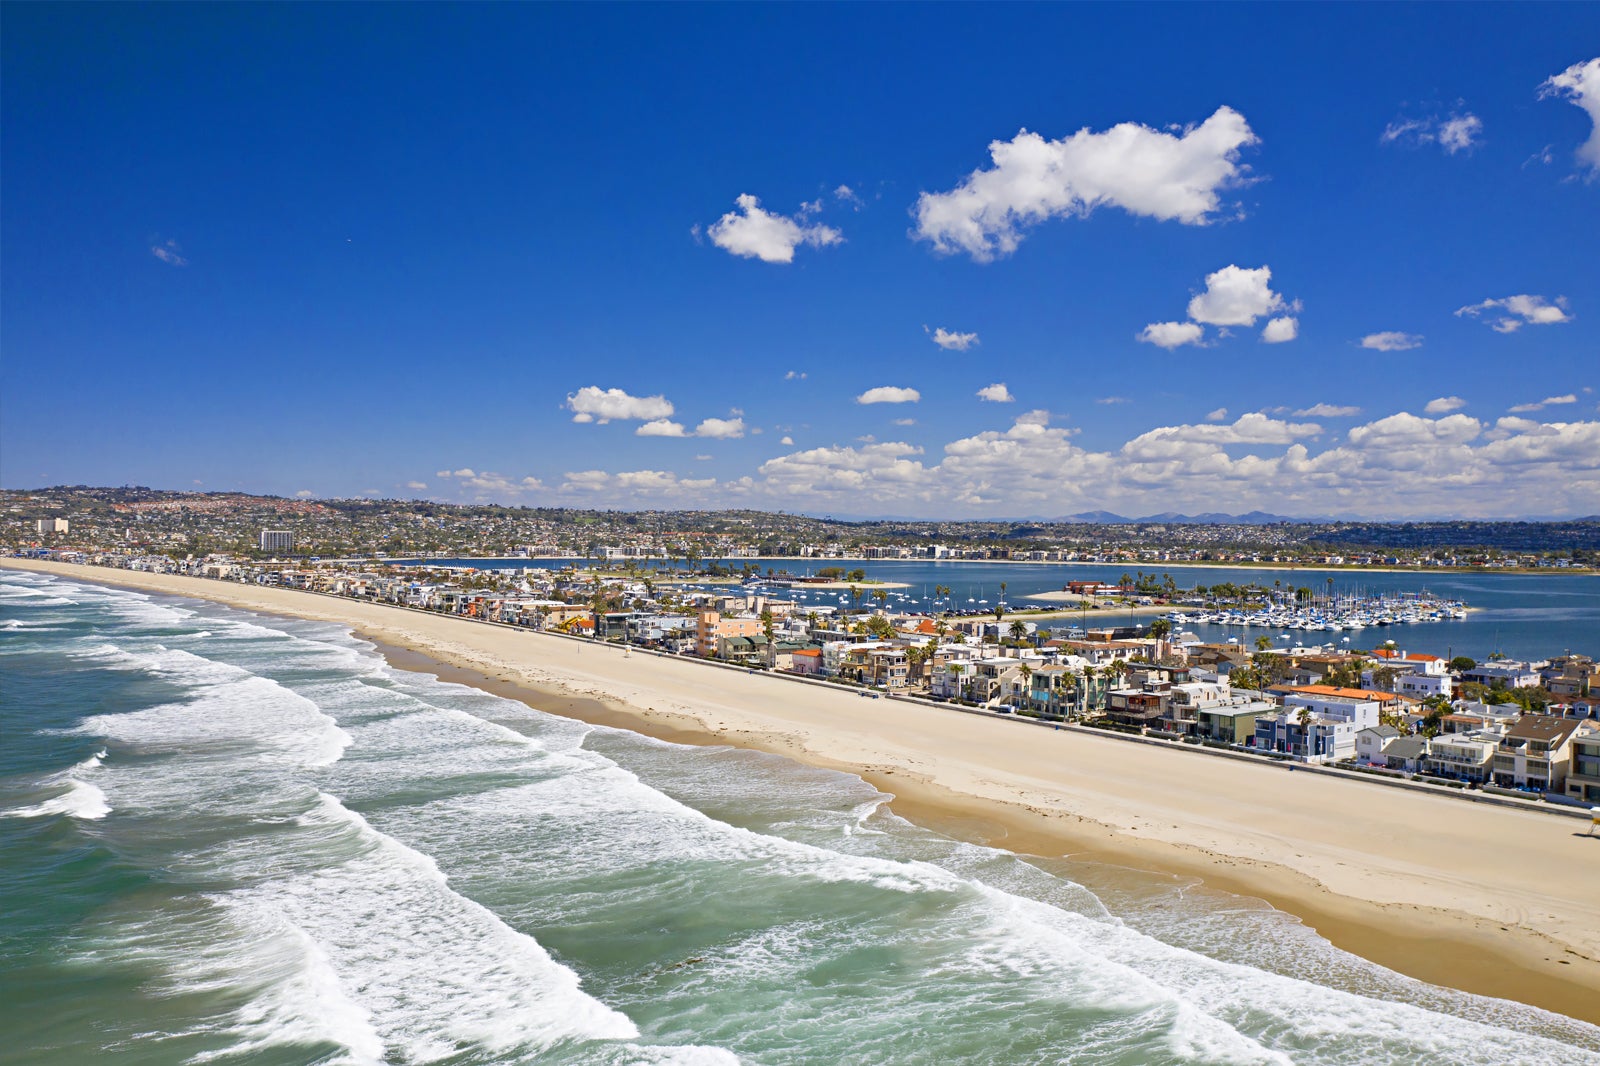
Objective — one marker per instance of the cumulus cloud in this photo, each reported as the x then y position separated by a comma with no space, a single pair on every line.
1327,410
1107,401
1511,313
1580,83
169,253
304,494
594,404
1392,341
753,233
1144,171
720,428
1443,405
958,342
1219,415
1459,131
1236,296
1170,335
845,194
996,393
787,442
1398,466
1282,329
416,486
889,394
633,484
661,427
795,375
902,421
1548,401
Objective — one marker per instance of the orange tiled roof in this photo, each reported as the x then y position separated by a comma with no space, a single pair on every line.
1344,693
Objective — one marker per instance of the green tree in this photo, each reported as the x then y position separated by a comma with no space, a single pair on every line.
767,624
1160,628
1019,630
1263,643
1461,664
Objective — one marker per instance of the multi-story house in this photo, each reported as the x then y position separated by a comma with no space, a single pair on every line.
1583,771
1461,756
1535,753
1306,736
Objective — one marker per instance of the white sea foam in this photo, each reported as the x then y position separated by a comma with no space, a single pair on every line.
80,800
434,970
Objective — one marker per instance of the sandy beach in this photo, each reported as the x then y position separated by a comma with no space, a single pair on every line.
1486,899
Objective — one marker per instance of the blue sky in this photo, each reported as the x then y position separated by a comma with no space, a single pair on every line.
1312,259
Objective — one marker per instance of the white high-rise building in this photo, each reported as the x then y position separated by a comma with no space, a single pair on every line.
274,540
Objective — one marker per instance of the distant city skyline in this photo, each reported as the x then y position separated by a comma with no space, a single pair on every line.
940,262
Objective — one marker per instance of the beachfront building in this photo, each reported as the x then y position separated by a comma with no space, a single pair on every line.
712,626
1370,742
1306,736
1461,756
1406,753
1583,772
276,540
1360,707
1535,752
51,525
1232,721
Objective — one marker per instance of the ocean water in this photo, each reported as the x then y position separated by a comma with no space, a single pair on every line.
227,838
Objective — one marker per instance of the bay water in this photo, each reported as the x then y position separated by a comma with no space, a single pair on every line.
231,838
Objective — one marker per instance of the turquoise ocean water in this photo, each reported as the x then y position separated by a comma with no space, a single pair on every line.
227,838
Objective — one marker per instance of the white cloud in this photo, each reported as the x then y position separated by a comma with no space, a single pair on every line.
1459,132
889,394
795,375
594,404
1279,330
756,234
702,458
1219,415
661,427
416,486
1398,466
847,195
996,393
1107,401
1580,83
902,421
465,471
1170,335
304,494
1548,401
1443,405
1327,410
635,483
787,442
1236,296
169,253
1520,311
959,342
1392,341
1144,171
720,428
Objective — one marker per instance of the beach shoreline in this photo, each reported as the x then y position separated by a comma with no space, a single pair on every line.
1486,900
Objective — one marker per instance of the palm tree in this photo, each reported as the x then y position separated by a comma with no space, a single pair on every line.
880,595
1019,630
1160,628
